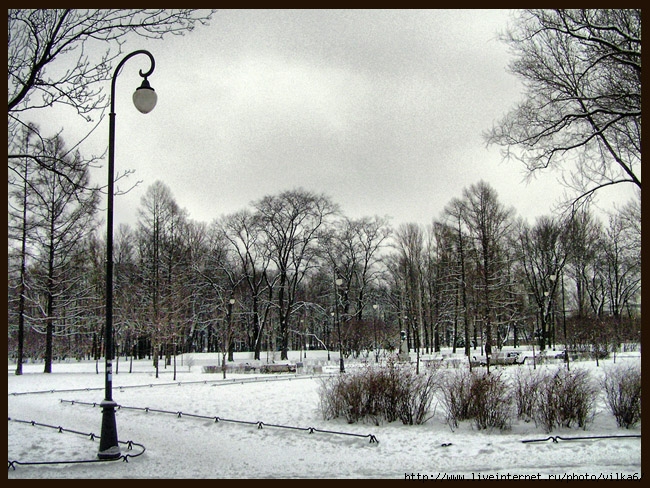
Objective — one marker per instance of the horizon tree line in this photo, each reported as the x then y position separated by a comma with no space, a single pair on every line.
292,272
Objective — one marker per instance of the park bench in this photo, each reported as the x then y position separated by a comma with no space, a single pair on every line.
278,368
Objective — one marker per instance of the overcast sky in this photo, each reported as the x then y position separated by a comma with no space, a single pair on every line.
382,111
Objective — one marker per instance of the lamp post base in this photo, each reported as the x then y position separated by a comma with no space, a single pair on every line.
108,445
110,453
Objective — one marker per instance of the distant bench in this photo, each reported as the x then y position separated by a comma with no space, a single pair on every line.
278,368
247,368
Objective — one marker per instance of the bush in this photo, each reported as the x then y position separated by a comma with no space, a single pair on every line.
376,394
527,384
622,386
478,396
564,399
416,396
456,396
491,401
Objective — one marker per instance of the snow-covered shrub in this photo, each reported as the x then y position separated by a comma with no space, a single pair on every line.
527,383
484,398
565,399
377,394
417,394
456,396
622,386
332,393
491,401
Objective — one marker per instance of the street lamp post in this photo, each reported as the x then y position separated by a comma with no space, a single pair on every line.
545,313
227,339
144,100
338,283
551,305
374,329
328,334
231,339
566,341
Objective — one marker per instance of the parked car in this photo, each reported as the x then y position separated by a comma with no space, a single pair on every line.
500,358
507,357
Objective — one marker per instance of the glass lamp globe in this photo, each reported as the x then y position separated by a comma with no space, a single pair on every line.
145,98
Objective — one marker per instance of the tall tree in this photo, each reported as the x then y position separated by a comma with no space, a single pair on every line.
158,231
581,112
19,232
442,284
622,259
584,240
243,231
454,214
291,222
489,223
370,235
543,252
410,249
64,214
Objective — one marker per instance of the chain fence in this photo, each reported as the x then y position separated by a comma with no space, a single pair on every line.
91,436
260,425
557,438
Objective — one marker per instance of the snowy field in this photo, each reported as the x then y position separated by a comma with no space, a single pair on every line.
182,446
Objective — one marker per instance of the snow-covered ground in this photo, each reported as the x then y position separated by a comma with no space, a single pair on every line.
181,446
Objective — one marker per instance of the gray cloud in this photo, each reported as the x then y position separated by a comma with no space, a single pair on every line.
381,110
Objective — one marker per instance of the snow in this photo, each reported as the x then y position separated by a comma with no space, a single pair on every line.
190,447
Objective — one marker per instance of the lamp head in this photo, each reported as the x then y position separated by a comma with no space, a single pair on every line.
144,97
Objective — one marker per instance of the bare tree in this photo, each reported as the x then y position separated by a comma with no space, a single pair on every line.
622,259
291,223
242,230
409,242
442,284
370,235
584,241
63,215
19,230
543,252
454,214
159,229
582,108
488,222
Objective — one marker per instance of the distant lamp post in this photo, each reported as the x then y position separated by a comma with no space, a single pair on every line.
543,332
552,277
374,329
328,336
566,340
231,341
144,100
303,337
338,283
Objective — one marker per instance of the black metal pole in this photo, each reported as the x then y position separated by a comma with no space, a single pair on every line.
108,445
566,341
338,327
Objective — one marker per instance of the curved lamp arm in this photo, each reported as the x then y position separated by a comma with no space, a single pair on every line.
144,75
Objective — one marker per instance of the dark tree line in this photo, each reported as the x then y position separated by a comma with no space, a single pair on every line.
291,272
